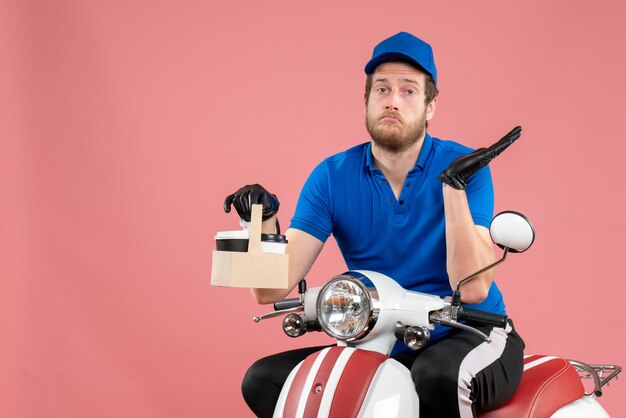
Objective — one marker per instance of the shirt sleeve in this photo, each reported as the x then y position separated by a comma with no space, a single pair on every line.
480,197
313,214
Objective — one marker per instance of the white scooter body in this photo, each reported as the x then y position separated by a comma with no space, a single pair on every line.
319,388
357,378
583,407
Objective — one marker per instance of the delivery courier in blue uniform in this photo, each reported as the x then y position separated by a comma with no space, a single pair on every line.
415,208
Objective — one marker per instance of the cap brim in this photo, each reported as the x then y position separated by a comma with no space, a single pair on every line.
370,67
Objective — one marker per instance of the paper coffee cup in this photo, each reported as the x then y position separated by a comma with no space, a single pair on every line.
273,243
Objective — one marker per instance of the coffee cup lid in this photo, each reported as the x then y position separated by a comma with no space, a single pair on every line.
274,238
240,234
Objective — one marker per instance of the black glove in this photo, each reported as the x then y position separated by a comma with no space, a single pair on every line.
461,169
244,198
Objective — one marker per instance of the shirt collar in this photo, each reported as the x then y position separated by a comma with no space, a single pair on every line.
421,158
424,152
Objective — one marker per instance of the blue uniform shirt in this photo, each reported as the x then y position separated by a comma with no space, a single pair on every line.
402,238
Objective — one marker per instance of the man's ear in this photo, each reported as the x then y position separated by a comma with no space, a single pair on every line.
431,108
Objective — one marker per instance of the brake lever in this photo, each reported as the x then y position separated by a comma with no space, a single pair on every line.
443,320
278,313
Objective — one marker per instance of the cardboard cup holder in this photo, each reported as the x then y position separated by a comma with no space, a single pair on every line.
254,268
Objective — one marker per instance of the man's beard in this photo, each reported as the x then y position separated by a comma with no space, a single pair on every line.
395,138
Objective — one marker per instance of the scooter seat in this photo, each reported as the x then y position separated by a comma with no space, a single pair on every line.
547,384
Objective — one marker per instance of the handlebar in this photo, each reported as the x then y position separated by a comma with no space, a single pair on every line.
482,317
287,304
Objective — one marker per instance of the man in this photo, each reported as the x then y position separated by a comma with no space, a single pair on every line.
412,207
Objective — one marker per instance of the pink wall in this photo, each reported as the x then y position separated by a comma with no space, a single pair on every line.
124,124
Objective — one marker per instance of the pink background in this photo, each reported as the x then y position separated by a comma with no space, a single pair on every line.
124,124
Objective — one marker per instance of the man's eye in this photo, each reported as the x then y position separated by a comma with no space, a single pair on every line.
382,90
410,92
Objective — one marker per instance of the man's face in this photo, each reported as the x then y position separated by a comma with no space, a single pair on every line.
396,112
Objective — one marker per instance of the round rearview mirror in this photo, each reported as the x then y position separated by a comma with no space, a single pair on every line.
512,230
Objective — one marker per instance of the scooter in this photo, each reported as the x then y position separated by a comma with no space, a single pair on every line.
367,312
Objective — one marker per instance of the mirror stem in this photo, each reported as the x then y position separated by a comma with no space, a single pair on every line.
456,295
490,266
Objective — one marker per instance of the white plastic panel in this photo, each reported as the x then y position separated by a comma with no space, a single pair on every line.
392,393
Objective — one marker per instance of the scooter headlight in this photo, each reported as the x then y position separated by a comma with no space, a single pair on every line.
344,308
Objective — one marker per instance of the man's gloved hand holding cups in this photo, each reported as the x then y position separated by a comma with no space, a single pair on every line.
249,195
460,170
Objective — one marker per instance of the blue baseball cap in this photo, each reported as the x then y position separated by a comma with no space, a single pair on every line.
406,47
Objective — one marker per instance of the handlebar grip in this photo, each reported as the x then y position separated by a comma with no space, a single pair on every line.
483,317
287,304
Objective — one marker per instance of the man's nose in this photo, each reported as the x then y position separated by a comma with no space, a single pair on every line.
391,102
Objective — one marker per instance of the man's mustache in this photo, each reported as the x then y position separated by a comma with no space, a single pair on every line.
394,115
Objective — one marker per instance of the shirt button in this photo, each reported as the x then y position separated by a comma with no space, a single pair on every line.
408,184
391,200
401,202
384,182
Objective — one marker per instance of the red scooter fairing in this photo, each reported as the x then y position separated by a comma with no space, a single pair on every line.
350,387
